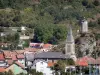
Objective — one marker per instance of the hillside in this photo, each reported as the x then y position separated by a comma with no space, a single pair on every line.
49,18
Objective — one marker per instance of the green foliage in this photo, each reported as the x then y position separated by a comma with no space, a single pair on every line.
47,33
1,29
26,43
97,36
61,64
47,17
99,21
15,3
85,2
93,24
33,72
96,2
9,17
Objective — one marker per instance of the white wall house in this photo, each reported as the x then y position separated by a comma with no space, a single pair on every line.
3,64
42,66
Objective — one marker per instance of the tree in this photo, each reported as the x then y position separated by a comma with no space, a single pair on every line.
99,21
61,64
60,32
33,72
10,72
1,29
93,24
96,2
85,2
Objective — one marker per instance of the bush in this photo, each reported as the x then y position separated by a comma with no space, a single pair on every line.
96,3
85,2
93,24
98,20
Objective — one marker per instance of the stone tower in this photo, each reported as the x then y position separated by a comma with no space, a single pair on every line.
84,26
70,45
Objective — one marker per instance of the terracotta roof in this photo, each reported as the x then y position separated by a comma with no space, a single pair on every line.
31,49
84,61
10,54
20,56
19,51
2,56
14,57
10,62
50,64
2,70
81,62
19,64
98,60
7,54
47,45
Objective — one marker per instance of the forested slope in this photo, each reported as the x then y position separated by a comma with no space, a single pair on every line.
49,18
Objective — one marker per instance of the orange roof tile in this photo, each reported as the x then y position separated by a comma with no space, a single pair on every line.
50,64
84,61
20,51
7,54
2,70
19,64
81,62
9,62
2,56
47,45
20,56
14,57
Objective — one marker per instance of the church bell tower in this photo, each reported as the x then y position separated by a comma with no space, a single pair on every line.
70,45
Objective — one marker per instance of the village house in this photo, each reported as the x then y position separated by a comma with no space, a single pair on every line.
16,68
42,66
21,59
36,45
46,47
50,56
43,47
3,62
10,55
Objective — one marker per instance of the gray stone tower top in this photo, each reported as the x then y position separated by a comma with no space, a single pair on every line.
84,26
70,37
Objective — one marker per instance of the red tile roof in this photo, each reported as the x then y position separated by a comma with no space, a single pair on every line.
47,45
84,61
20,51
19,64
10,62
2,70
14,57
98,60
81,62
20,56
50,64
2,56
10,54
